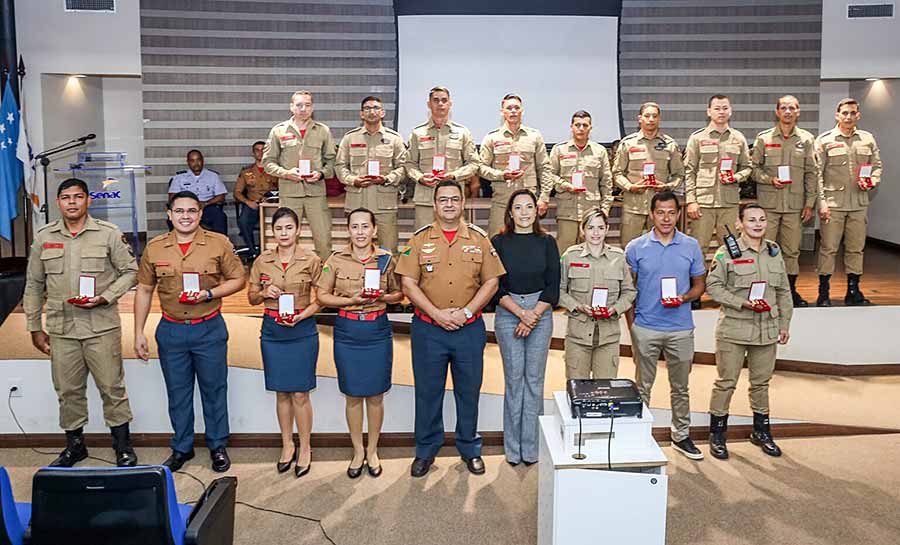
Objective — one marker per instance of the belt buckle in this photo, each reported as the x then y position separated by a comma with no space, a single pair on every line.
187,322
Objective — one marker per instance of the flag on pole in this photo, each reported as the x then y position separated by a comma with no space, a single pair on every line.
10,165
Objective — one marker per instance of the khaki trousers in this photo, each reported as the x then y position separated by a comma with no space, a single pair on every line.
495,223
678,349
851,226
729,361
424,216
787,230
583,361
387,230
318,216
70,362
713,219
566,234
633,226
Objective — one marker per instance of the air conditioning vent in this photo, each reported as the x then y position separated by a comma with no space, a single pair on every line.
868,11
104,6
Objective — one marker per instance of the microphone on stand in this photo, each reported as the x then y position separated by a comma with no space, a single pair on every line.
87,137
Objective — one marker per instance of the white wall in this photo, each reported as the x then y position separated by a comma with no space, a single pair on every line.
879,103
52,41
830,93
123,129
858,48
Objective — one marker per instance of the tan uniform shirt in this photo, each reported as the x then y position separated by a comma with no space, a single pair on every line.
450,273
772,150
580,273
628,167
56,262
529,144
593,160
255,183
357,148
301,274
345,276
453,141
705,150
728,283
285,147
839,160
210,254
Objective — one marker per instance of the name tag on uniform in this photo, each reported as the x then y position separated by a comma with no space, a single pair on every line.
709,147
373,279
439,163
190,282
52,245
649,169
757,291
599,297
578,179
86,286
374,167
286,303
669,287
784,174
726,165
304,167
515,162
865,171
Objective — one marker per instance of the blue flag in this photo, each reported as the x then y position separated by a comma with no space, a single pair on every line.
10,165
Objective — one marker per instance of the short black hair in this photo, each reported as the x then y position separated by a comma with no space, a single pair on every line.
182,195
72,182
285,211
258,142
665,196
447,183
198,152
748,206
580,113
361,209
717,97
370,98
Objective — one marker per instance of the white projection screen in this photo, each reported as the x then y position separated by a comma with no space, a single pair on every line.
557,64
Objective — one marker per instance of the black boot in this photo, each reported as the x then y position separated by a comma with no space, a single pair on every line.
824,299
854,297
799,302
718,425
125,456
762,436
74,452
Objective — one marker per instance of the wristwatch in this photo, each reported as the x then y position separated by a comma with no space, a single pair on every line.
468,313
209,295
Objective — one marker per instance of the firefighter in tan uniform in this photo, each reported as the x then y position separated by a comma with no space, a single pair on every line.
300,152
252,185
83,335
505,146
646,162
439,149
850,168
370,164
717,160
592,343
582,178
786,149
754,319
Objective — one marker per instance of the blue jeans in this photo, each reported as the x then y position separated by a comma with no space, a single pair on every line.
248,220
524,363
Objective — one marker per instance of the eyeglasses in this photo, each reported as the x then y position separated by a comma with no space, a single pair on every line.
449,200
372,108
186,211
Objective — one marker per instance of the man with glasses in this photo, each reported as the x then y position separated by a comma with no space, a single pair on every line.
449,271
439,149
300,152
512,157
370,163
193,269
252,185
786,173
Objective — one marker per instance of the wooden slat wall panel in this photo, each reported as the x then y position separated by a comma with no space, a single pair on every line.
679,52
218,74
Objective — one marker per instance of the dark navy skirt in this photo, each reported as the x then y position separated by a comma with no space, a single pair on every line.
363,355
289,355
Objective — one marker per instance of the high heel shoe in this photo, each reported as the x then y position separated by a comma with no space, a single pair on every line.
355,472
375,471
301,471
283,467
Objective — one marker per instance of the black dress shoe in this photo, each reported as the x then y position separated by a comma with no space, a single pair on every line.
375,471
220,460
529,463
475,465
178,459
420,466
282,467
301,471
355,472
511,463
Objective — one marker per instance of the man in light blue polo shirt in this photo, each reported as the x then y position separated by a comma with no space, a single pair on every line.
208,186
662,321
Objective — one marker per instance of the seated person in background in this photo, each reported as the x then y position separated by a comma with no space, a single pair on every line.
207,185
252,185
